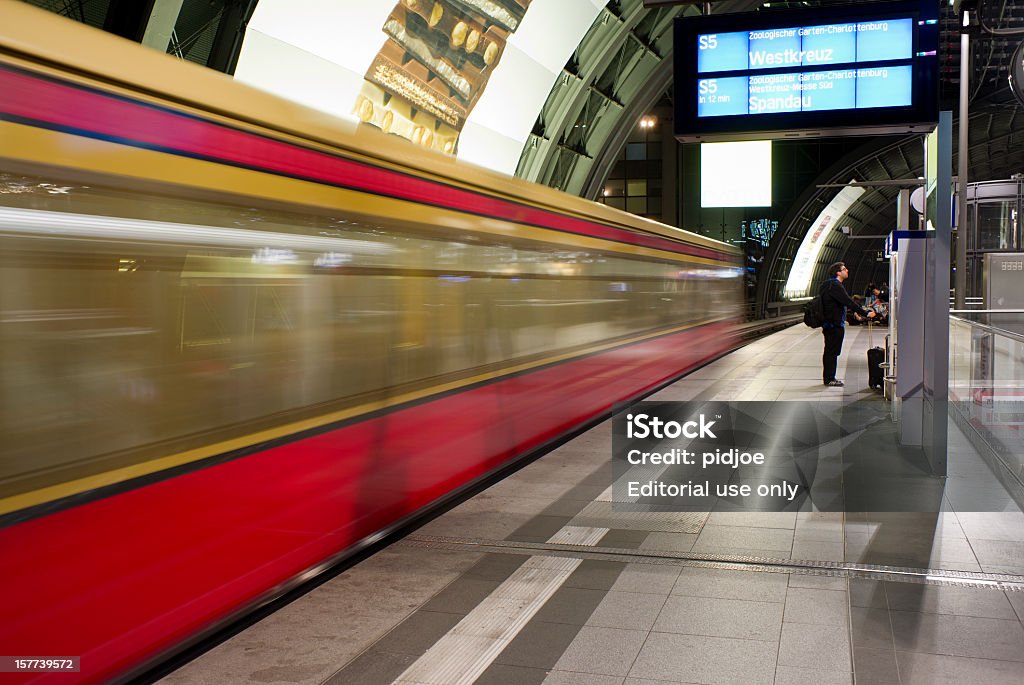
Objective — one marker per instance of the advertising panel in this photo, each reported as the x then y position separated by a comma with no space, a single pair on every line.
463,77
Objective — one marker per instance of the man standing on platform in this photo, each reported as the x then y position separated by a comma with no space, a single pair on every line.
834,302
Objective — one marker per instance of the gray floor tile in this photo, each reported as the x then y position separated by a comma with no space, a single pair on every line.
931,669
753,519
595,575
787,675
702,582
541,526
724,661
500,674
538,645
605,651
630,610
729,553
492,525
647,578
570,605
570,678
774,539
998,552
305,641
670,542
418,633
821,607
503,499
875,667
1016,600
824,526
816,550
588,493
931,599
810,646
872,628
867,593
983,638
818,582
564,507
496,567
718,617
461,596
1015,570
382,593
1007,526
373,668
623,539
914,549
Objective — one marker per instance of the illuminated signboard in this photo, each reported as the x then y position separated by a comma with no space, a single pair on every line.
855,69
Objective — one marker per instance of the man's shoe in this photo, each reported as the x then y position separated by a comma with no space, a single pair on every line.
834,384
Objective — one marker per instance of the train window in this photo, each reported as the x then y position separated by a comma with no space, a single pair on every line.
117,348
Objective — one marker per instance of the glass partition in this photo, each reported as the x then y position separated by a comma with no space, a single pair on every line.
986,381
997,223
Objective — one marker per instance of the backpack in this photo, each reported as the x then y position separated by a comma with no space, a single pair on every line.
814,313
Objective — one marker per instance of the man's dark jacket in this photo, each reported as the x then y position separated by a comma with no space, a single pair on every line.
834,301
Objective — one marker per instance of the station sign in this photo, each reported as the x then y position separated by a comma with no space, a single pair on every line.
856,69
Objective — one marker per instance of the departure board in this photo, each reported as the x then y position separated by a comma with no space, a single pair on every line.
806,46
802,47
806,91
804,72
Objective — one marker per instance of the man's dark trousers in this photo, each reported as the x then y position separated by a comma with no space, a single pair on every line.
833,346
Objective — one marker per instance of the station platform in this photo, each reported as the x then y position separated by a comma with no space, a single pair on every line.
538,580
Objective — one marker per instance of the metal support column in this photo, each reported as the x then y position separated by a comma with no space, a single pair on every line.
161,24
960,283
936,341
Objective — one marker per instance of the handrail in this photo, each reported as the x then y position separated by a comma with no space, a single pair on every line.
986,311
992,329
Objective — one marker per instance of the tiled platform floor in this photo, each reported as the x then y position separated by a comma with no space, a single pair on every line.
624,622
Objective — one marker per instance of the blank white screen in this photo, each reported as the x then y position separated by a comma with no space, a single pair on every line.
736,174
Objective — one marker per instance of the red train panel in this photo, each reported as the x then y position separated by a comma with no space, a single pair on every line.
122,579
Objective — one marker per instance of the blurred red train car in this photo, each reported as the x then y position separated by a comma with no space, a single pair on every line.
240,340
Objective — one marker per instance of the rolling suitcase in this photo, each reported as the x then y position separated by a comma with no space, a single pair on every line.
876,357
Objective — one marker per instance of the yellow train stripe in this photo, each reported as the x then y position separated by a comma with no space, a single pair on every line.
120,475
265,114
44,149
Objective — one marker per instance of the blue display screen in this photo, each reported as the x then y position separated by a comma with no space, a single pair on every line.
806,91
805,46
849,69
790,53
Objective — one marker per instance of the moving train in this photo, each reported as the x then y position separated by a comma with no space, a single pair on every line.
241,340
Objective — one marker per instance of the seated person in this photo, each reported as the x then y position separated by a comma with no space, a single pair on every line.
852,317
870,294
878,301
881,310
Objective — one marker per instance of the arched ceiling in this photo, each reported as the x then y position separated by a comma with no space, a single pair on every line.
624,65
621,68
995,151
